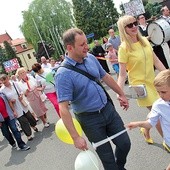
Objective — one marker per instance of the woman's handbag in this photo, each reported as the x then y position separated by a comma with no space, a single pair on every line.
137,91
43,97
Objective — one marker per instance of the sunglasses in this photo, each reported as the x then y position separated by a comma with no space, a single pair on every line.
132,24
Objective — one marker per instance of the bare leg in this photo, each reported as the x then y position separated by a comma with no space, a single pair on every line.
43,119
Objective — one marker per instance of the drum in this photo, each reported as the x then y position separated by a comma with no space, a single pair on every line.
159,31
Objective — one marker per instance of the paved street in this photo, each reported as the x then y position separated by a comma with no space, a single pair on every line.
48,152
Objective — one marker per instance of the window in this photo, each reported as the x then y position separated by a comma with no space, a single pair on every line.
29,56
24,46
34,54
14,48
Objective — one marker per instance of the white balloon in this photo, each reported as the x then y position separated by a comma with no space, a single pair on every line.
86,160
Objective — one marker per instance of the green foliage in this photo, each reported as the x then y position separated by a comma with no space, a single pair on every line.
52,18
83,15
2,59
152,9
95,16
7,54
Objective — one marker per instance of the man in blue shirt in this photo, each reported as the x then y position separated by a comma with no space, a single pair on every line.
95,113
114,40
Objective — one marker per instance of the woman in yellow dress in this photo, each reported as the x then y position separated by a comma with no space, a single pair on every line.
136,56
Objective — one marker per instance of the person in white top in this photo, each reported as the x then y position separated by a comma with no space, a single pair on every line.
13,94
160,110
165,13
44,78
44,63
30,89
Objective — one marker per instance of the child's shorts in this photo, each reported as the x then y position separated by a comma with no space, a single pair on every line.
116,67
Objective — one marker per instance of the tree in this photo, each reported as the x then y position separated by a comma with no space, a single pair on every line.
52,18
152,9
83,16
104,15
10,53
2,59
94,16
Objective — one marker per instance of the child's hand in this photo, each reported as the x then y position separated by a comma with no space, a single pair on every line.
132,125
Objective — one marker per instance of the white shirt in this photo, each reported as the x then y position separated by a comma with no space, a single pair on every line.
12,94
41,79
48,65
161,111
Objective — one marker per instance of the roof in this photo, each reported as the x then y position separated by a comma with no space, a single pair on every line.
5,37
18,41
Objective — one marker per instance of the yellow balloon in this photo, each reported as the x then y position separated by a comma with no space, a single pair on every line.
63,134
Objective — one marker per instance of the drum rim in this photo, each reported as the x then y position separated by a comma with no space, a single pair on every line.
161,30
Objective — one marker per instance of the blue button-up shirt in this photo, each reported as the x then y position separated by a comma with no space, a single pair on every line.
85,95
115,41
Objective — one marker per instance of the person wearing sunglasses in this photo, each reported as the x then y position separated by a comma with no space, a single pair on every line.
136,55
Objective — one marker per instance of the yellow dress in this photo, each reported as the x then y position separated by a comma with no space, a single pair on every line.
139,64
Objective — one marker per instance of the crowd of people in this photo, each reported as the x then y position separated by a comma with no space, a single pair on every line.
22,101
131,55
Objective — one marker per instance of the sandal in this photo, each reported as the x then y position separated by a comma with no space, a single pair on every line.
149,140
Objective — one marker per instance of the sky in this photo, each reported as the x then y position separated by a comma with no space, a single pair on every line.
11,17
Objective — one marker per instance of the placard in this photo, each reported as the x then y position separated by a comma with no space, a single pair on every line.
134,8
11,65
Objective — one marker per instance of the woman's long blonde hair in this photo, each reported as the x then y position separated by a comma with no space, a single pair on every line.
122,22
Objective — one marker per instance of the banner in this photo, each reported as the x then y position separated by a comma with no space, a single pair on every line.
11,65
134,8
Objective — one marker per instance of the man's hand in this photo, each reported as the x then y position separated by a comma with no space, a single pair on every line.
80,143
123,102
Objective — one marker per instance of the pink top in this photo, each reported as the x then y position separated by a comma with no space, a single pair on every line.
112,57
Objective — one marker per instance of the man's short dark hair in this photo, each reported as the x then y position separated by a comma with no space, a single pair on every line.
69,36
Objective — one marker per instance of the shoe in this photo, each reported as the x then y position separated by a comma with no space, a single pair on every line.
150,140
25,148
46,125
30,138
127,82
14,146
35,129
166,147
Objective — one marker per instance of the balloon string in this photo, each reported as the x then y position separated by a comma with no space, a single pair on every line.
91,159
97,144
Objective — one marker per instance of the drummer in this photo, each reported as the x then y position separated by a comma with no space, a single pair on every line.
158,50
165,13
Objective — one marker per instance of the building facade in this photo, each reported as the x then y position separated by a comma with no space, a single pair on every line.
23,50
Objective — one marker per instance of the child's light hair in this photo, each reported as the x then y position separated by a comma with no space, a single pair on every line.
163,78
122,22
